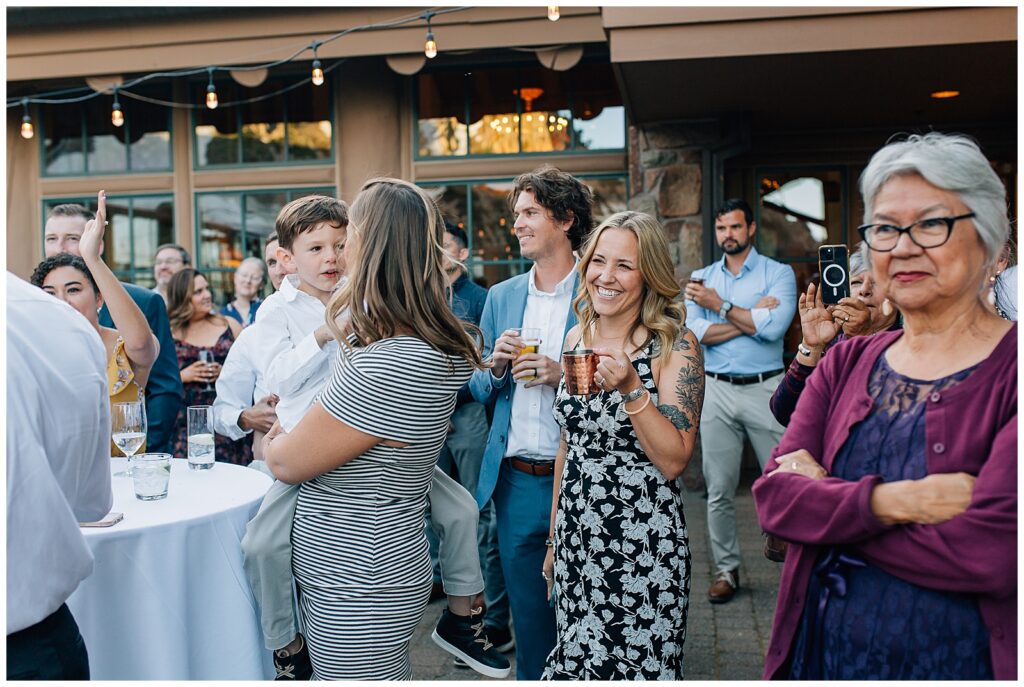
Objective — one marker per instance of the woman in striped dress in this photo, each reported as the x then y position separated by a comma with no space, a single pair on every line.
365,453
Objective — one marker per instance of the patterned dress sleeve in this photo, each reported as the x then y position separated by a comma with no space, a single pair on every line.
783,401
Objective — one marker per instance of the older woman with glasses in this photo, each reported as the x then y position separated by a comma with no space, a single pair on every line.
896,481
250,278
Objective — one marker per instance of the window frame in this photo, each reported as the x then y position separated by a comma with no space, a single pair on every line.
524,263
197,246
84,137
128,277
470,155
844,201
327,161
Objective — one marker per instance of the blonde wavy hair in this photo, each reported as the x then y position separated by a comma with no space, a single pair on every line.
659,313
396,278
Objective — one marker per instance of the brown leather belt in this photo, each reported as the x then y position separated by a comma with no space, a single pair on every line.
537,469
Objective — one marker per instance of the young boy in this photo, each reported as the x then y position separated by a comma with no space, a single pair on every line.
296,353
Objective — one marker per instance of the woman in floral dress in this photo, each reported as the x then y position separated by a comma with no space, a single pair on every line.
619,568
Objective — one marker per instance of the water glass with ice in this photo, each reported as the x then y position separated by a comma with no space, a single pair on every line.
200,437
151,473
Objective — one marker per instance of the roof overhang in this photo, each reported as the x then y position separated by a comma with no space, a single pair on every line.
821,67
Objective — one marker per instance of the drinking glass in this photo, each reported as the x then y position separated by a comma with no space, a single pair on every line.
128,429
151,474
200,437
207,358
531,344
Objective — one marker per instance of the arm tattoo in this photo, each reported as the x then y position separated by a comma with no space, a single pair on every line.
674,416
689,386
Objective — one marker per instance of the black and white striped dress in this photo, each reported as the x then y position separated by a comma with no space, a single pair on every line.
360,556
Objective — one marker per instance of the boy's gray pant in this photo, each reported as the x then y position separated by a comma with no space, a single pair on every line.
267,551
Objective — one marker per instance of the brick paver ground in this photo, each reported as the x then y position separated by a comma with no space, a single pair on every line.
724,641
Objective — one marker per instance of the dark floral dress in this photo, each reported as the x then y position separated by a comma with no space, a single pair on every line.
226,451
622,556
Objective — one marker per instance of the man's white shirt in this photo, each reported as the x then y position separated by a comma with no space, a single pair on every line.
58,450
533,432
239,384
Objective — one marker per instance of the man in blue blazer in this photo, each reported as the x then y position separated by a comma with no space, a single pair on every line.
164,392
552,218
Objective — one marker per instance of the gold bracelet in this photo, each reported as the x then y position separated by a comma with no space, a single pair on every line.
647,402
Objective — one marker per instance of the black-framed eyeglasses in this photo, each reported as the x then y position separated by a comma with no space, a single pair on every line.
927,233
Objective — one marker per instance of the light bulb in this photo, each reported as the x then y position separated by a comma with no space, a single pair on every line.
26,127
553,14
211,97
318,73
116,116
430,47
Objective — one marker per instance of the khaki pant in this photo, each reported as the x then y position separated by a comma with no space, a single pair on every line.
267,551
730,412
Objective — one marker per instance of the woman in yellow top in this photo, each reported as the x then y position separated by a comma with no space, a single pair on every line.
86,283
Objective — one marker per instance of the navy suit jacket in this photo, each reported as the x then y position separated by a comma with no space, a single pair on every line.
164,392
504,308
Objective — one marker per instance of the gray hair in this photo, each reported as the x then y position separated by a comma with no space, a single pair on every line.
950,162
858,261
258,262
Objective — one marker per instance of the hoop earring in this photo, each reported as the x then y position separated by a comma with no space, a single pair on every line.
886,307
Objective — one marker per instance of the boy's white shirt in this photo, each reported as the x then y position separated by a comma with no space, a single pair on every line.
294,367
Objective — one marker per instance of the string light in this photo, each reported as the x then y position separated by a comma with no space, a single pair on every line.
553,13
211,93
116,115
49,98
318,69
430,47
26,122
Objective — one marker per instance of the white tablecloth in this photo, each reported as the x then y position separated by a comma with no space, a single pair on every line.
168,599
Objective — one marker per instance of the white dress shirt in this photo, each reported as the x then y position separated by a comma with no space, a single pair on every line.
533,432
294,367
239,384
58,450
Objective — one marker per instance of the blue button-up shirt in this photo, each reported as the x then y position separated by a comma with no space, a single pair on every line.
759,277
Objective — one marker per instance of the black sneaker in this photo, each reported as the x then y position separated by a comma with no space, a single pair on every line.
467,640
501,637
295,666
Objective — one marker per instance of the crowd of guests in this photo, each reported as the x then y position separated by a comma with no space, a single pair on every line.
888,445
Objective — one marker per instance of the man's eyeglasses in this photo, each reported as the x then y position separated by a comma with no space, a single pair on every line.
927,233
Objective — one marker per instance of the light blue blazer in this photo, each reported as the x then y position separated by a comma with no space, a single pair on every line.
504,308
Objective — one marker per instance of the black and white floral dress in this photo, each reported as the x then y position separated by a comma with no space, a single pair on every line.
622,555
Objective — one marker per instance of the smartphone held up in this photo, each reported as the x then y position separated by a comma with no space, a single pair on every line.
834,267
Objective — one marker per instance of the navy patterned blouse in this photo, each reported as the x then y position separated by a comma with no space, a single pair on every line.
861,622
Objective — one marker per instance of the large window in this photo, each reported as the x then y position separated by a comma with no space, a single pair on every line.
515,110
800,209
80,139
138,224
294,127
234,225
481,210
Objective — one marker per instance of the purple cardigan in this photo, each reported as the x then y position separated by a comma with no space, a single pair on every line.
970,428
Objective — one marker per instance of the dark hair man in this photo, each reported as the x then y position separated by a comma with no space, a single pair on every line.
739,314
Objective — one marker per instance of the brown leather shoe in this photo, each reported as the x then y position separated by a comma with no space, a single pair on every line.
724,587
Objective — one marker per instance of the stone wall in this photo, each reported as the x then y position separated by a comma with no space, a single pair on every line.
666,164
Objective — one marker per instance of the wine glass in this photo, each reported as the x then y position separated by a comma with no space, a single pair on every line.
128,429
207,358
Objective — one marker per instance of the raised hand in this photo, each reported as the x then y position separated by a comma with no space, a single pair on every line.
91,243
853,316
816,321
